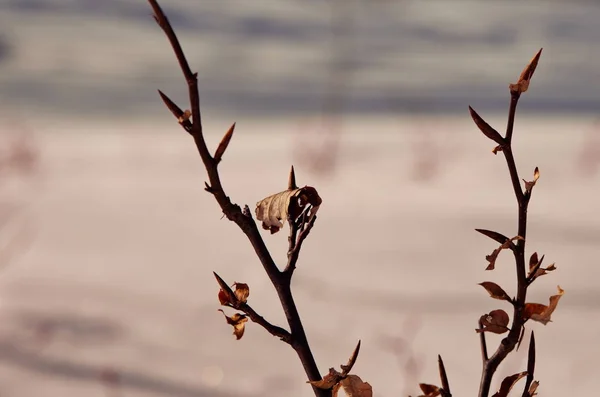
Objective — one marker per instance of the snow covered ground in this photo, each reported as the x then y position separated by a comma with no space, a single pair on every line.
118,276
115,280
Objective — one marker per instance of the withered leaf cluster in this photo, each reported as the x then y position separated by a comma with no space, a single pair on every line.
234,299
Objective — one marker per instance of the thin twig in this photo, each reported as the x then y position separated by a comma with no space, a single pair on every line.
233,212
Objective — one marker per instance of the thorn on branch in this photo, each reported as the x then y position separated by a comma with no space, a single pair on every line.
181,116
445,390
292,180
223,144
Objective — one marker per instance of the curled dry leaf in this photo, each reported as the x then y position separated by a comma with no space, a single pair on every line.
429,390
542,313
355,387
496,322
242,291
238,322
523,83
491,258
274,210
530,184
508,383
224,298
495,291
328,381
533,261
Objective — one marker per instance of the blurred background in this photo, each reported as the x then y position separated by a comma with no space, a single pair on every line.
108,240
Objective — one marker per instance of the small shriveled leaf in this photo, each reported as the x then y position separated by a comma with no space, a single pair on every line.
274,210
508,383
497,149
496,322
533,261
542,313
491,258
530,184
429,390
487,129
522,84
355,387
328,381
238,322
242,291
495,291
223,144
224,298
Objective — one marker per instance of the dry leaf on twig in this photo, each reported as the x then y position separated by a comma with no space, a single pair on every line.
495,291
496,322
242,291
355,387
238,322
542,313
429,390
274,210
530,184
508,383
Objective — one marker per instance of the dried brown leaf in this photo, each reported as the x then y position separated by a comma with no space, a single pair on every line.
274,210
485,127
496,322
491,258
224,298
542,313
429,390
495,291
533,261
355,387
508,383
523,83
242,291
530,184
238,322
328,381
